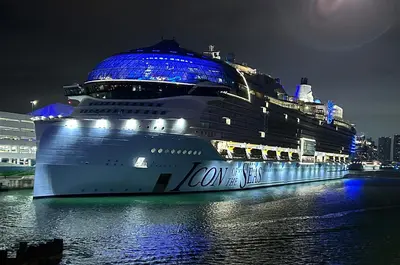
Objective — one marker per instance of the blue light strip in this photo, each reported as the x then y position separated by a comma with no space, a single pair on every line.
329,111
353,145
159,67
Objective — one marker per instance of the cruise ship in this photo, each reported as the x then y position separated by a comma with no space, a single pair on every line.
164,119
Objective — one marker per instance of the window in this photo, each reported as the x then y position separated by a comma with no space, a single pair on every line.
227,120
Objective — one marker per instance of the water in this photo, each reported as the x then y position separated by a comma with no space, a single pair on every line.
353,221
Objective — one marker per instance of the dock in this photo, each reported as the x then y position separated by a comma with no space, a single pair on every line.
49,253
16,182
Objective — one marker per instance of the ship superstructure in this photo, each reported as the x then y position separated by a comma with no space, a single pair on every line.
166,119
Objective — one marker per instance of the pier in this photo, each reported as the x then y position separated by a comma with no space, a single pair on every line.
16,182
49,253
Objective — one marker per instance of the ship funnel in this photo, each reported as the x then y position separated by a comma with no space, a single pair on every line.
303,91
304,81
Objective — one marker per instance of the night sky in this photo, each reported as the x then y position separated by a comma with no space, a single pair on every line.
349,49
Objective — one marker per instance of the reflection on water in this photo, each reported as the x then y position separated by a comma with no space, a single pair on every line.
352,221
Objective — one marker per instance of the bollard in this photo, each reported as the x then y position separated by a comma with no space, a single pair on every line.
23,246
3,256
59,245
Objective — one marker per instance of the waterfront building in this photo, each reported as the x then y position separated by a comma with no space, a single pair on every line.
17,134
366,150
384,147
396,148
17,139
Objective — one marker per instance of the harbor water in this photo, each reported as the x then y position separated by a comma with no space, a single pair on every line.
349,221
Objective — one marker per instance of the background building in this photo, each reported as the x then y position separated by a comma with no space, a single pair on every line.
366,150
17,139
384,148
396,148
17,133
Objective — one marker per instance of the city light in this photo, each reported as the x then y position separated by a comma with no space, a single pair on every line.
33,103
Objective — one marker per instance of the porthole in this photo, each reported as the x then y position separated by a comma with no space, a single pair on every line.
190,152
160,151
173,151
167,151
178,152
155,127
195,152
162,128
199,153
184,152
153,150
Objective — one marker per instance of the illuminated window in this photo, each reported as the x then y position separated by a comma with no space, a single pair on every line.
264,109
141,162
227,120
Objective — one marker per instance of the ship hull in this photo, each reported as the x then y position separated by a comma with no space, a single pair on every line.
67,180
87,162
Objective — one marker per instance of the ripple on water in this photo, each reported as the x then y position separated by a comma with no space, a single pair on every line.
336,222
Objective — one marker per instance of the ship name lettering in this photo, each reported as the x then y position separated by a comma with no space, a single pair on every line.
251,175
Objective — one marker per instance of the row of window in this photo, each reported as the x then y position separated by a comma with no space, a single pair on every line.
147,104
122,111
14,129
16,138
14,120
17,149
179,151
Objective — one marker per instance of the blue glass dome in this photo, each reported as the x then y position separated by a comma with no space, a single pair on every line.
163,62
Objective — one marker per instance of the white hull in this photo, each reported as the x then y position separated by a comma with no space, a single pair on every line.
87,162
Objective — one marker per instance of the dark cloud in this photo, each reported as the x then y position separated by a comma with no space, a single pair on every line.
349,53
